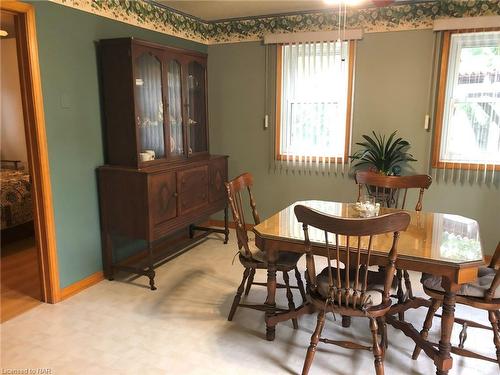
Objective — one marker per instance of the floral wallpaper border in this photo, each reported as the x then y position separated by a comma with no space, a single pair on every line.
152,16
144,14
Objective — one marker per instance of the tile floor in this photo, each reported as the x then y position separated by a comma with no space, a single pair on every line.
122,327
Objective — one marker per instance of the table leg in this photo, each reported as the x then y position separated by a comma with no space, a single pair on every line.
443,360
271,293
151,272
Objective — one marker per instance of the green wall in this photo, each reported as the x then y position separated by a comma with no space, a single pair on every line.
392,85
391,92
68,63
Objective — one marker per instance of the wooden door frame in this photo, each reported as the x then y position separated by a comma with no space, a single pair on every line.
36,141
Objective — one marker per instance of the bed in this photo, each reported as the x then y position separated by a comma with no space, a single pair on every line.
16,200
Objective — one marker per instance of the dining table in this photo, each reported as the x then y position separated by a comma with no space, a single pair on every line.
440,244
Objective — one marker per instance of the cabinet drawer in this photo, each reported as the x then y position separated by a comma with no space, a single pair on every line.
193,199
218,176
192,179
162,197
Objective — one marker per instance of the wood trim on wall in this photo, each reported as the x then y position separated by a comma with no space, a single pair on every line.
443,73
279,80
81,285
33,110
350,93
350,98
441,98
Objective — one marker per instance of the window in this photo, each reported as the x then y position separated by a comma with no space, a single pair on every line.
468,107
314,91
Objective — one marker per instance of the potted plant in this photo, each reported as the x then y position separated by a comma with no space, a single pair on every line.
381,155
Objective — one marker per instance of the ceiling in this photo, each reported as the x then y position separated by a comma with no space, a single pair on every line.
222,9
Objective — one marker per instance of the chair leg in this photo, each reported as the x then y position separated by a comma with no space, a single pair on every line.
250,281
409,290
435,304
314,343
300,285
377,350
382,328
400,293
237,297
496,332
346,321
289,295
463,336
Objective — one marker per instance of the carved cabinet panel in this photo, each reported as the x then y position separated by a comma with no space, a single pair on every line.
189,179
193,188
218,176
163,197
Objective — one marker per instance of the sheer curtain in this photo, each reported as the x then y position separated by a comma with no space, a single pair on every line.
314,95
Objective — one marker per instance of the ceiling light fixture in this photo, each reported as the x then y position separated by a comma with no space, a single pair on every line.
343,2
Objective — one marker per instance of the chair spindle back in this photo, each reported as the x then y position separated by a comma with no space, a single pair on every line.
234,190
348,288
387,189
495,260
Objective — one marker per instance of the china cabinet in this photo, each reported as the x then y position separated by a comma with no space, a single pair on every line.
159,176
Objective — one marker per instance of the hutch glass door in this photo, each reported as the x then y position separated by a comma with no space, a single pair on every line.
149,106
197,122
175,108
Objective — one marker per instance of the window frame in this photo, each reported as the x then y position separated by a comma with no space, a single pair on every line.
437,163
350,88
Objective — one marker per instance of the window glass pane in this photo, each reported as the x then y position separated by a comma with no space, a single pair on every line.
196,108
471,127
149,104
175,108
314,99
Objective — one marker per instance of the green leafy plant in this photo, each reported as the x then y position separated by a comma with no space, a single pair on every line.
381,155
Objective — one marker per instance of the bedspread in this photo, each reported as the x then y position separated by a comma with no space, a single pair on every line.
16,200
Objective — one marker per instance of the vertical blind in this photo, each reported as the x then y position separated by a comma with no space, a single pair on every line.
314,90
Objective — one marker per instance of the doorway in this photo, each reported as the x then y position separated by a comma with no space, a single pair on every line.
20,277
29,273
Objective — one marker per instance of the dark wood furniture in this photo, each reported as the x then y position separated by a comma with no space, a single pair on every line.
11,164
484,294
154,100
422,248
347,293
252,258
159,177
387,190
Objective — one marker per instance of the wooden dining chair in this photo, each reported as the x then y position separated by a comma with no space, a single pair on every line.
250,256
387,191
483,294
347,293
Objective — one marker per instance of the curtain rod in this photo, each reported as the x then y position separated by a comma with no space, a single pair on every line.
318,36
